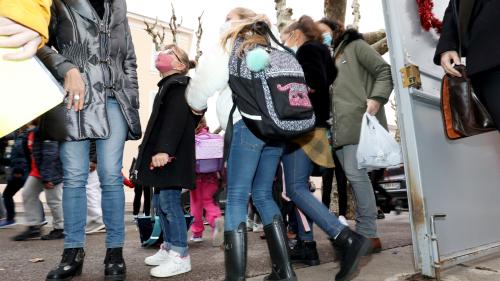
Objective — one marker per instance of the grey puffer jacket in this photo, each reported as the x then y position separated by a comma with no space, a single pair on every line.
102,50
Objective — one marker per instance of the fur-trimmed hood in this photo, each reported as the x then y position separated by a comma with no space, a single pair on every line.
348,37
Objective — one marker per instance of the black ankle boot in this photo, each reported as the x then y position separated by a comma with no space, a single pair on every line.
235,253
353,247
305,252
114,269
71,265
279,251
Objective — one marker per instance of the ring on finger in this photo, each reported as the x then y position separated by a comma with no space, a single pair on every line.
76,98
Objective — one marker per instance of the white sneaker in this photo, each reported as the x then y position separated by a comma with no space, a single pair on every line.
174,266
258,227
249,224
196,239
343,220
218,232
95,227
160,257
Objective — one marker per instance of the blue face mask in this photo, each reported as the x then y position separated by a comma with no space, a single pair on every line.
294,49
327,39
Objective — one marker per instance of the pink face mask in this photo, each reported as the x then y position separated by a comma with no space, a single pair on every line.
164,63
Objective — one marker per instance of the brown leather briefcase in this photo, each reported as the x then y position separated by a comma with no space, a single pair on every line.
463,113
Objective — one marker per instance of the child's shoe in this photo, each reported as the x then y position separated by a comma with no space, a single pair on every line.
196,238
174,266
160,257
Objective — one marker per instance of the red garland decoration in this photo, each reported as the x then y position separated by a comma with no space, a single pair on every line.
427,18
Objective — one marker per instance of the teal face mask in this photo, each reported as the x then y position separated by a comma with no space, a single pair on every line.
327,39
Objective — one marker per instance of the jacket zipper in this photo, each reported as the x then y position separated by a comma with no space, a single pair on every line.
103,28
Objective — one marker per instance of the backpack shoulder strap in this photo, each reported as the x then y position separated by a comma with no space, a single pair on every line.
262,26
228,135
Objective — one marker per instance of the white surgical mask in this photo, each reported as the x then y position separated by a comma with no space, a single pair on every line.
225,27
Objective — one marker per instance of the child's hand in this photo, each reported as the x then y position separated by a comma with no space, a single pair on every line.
160,160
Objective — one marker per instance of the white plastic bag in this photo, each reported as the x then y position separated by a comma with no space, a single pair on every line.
377,148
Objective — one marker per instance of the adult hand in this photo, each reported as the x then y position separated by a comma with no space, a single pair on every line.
448,59
159,160
372,107
75,87
92,166
18,35
48,185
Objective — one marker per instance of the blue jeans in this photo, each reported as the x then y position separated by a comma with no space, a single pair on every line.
173,223
297,168
251,168
75,160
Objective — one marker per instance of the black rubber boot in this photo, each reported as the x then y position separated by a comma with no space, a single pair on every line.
71,265
352,247
305,252
114,269
235,253
279,250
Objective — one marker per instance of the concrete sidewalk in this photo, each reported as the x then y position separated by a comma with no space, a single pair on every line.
207,261
382,266
397,265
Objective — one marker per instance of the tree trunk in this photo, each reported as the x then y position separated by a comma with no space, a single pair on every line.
381,46
336,9
356,13
283,14
374,37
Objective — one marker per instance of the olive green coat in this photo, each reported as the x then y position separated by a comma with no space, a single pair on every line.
362,74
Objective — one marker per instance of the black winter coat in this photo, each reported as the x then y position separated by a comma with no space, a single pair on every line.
102,50
171,130
18,160
482,43
46,155
320,72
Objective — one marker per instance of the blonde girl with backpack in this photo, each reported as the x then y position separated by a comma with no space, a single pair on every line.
252,163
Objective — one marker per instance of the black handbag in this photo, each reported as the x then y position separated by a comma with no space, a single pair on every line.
52,124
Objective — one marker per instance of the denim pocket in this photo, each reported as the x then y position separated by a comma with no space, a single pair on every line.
248,139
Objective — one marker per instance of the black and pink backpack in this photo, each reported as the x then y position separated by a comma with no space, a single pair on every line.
273,102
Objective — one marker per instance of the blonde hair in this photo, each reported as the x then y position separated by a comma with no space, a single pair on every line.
244,13
183,56
245,29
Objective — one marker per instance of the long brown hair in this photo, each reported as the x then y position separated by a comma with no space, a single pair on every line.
337,28
245,29
183,56
308,27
